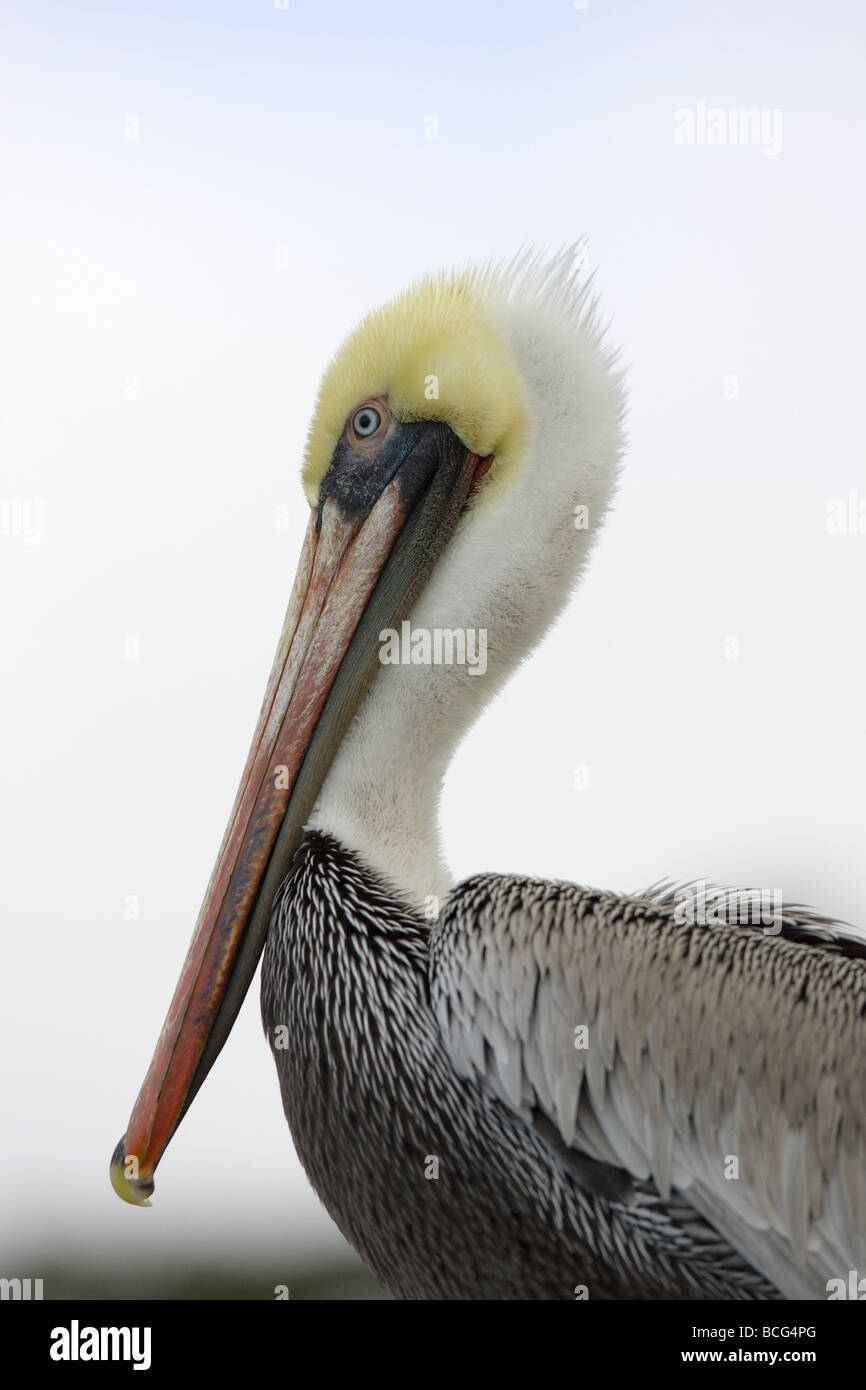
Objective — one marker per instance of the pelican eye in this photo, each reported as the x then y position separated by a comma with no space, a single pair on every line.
366,421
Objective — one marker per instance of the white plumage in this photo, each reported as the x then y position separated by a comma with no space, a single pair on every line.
510,569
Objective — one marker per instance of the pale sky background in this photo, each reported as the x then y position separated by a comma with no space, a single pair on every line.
168,302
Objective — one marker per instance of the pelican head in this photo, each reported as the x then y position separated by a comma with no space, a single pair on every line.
462,454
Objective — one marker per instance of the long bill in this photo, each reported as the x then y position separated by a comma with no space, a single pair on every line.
361,568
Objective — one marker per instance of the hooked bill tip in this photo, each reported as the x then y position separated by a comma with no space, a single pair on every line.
126,1184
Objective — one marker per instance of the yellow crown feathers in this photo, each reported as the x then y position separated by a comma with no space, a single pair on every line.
437,354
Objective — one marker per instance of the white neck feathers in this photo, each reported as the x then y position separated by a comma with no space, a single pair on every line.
508,570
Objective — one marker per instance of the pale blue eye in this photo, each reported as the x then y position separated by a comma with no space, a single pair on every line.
366,421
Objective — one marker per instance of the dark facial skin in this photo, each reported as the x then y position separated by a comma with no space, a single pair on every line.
364,464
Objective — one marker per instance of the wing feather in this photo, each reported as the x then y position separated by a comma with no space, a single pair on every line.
723,1062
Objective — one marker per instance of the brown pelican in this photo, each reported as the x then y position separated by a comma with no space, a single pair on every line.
511,1088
